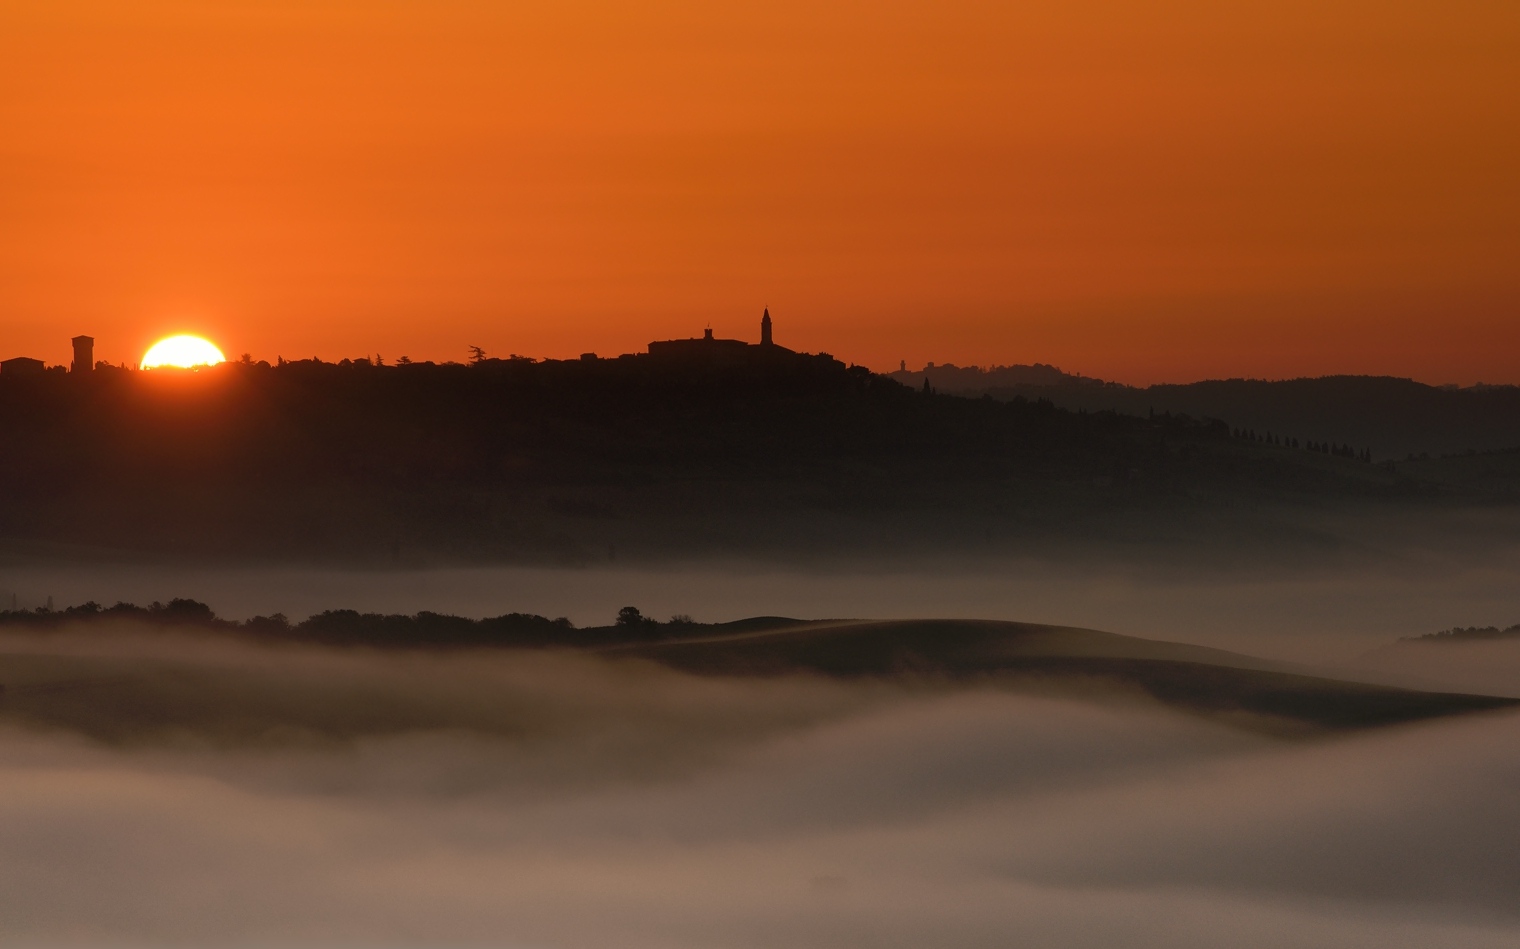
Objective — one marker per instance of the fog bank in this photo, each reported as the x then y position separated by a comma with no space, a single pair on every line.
544,800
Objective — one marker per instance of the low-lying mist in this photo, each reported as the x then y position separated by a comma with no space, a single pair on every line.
1490,668
161,789
1331,609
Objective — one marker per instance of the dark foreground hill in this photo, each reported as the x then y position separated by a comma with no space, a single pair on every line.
129,692
603,459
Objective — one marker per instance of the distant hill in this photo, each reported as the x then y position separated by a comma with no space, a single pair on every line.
974,380
1459,634
1395,418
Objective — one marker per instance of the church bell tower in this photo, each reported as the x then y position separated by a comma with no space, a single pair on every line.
765,328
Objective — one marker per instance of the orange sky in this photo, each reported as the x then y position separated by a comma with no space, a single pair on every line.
1146,192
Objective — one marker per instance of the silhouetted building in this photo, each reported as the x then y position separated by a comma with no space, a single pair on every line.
708,349
21,366
84,354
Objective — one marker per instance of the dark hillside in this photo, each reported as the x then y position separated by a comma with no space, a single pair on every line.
578,459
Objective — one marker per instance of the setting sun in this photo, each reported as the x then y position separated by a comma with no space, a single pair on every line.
183,352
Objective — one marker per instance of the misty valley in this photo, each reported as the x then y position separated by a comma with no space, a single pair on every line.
1094,675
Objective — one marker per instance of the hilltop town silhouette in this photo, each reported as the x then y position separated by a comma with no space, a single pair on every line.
705,350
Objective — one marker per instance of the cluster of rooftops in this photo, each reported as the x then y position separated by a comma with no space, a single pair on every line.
710,349
84,360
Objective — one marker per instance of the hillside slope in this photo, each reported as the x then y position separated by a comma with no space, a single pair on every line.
1195,678
578,462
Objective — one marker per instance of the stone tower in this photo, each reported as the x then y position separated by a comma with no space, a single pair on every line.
765,328
84,354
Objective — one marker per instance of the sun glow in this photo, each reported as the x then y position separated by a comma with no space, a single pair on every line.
183,352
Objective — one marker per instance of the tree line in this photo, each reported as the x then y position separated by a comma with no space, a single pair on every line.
352,628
